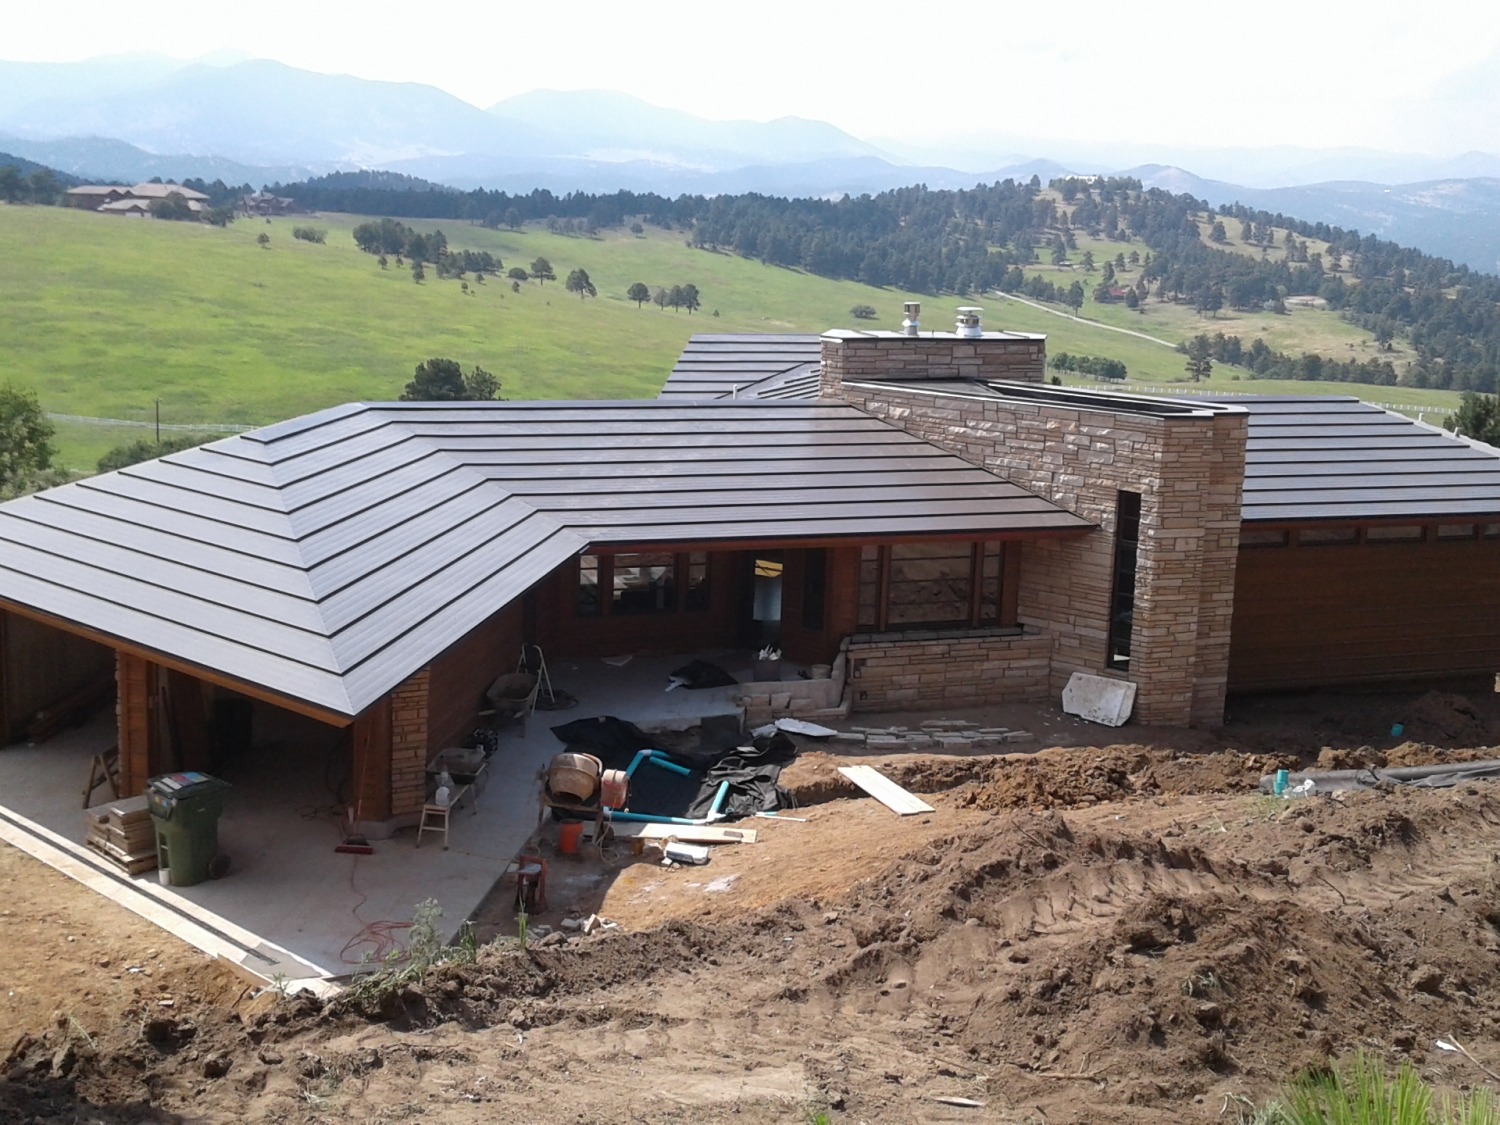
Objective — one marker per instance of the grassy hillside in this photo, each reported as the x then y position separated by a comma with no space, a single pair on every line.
104,315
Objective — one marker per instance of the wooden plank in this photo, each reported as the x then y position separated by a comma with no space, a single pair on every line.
687,834
886,791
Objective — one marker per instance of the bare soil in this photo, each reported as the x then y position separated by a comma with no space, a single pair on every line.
1106,934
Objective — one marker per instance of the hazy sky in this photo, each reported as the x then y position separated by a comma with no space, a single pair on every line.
1410,76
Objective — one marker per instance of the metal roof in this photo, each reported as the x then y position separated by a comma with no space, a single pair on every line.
1336,458
714,366
1308,457
327,558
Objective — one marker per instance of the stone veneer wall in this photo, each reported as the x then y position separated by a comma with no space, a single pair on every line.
936,355
409,746
928,670
1189,470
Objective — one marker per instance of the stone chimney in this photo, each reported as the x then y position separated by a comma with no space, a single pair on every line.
915,356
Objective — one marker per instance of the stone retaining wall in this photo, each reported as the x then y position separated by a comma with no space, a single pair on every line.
922,671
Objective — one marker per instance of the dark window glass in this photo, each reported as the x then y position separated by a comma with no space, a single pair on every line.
1327,536
1455,531
1264,538
644,583
1122,599
814,577
990,580
696,596
588,585
1411,533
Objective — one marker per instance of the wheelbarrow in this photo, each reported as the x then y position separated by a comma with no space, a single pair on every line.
513,696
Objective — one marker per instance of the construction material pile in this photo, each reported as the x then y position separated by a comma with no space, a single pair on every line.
122,832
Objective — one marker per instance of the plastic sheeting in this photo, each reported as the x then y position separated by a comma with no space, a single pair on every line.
1420,777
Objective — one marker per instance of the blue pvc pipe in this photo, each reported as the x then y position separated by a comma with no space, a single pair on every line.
637,760
668,764
651,818
713,813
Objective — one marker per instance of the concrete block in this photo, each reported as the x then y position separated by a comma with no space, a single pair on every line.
781,700
1098,699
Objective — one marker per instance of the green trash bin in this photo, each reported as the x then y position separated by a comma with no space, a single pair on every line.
185,808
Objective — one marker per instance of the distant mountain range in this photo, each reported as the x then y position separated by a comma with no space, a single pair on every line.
132,117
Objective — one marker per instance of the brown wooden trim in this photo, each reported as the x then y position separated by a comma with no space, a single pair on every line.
265,695
850,541
883,594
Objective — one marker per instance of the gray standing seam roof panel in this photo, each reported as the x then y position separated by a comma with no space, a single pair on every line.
1339,459
328,558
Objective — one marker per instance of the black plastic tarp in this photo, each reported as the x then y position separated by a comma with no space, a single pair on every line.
753,771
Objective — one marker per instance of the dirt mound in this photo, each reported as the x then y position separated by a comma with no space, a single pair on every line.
1407,754
1443,717
1067,967
1064,778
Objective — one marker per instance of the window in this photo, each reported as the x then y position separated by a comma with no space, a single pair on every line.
1492,531
1455,531
588,585
1327,536
869,587
1260,538
929,584
991,560
696,597
1122,598
644,583
1405,534
814,576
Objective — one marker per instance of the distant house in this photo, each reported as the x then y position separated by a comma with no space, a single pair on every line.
90,197
264,203
111,199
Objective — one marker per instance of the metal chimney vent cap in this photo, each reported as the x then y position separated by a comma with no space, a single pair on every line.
968,323
912,324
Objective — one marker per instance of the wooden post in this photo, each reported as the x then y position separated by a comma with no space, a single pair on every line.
370,736
883,598
136,716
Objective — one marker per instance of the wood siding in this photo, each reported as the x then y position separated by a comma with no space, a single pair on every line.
40,665
461,675
1307,616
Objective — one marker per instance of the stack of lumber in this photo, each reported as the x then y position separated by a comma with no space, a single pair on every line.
121,831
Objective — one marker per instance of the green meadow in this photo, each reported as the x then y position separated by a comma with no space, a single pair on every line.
103,316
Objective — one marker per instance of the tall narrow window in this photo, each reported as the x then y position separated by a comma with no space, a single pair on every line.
696,595
588,585
1122,599
644,583
814,579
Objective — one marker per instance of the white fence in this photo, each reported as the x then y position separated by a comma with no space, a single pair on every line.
176,427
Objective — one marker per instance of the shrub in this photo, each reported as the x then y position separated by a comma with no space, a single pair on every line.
1362,1093
310,234
144,450
863,312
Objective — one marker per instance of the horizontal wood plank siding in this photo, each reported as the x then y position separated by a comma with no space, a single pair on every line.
1308,616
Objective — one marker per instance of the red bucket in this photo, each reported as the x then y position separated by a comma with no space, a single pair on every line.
568,836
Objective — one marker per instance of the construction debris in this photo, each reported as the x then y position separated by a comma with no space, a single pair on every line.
884,790
939,734
1098,699
122,832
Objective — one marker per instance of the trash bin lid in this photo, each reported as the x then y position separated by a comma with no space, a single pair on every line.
174,787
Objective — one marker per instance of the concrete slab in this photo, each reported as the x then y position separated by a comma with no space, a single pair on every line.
1098,699
280,824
